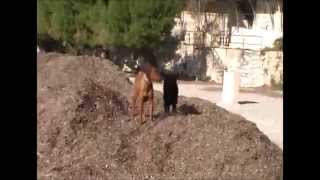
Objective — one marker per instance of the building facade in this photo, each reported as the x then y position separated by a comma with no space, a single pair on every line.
228,33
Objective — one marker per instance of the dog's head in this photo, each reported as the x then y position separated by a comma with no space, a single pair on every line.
151,71
169,76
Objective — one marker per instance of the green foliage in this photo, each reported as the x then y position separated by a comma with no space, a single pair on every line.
279,85
90,22
98,23
62,20
277,46
131,23
139,23
118,19
43,15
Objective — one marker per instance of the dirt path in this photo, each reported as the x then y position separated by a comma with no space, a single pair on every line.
266,110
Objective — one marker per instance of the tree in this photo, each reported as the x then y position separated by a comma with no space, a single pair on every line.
98,23
90,22
118,19
74,23
62,20
43,14
141,24
135,24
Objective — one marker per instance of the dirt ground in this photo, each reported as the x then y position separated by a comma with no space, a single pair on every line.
262,106
85,132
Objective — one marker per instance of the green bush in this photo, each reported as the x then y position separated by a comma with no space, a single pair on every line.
277,46
136,24
278,85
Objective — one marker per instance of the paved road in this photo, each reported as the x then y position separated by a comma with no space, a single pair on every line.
267,112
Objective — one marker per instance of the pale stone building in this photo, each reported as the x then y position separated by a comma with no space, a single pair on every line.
230,33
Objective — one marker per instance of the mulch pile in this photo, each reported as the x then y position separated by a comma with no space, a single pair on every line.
85,131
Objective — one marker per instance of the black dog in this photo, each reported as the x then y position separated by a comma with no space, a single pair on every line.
170,92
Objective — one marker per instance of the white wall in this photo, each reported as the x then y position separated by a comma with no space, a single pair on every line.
255,69
266,28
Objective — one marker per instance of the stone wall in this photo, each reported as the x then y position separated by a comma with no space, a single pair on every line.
247,62
251,69
273,67
255,69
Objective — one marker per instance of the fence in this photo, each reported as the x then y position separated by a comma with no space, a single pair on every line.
222,39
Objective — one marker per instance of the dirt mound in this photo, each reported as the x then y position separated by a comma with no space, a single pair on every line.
85,132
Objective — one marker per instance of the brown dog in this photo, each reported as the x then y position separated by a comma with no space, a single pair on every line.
143,89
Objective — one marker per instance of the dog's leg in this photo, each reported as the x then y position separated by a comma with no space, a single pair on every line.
174,108
133,106
166,108
145,114
141,111
151,108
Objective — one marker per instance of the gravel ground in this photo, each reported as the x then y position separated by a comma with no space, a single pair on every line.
267,113
85,131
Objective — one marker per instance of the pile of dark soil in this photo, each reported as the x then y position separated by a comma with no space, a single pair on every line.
85,131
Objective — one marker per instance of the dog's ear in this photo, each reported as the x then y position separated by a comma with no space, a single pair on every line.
146,68
162,74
